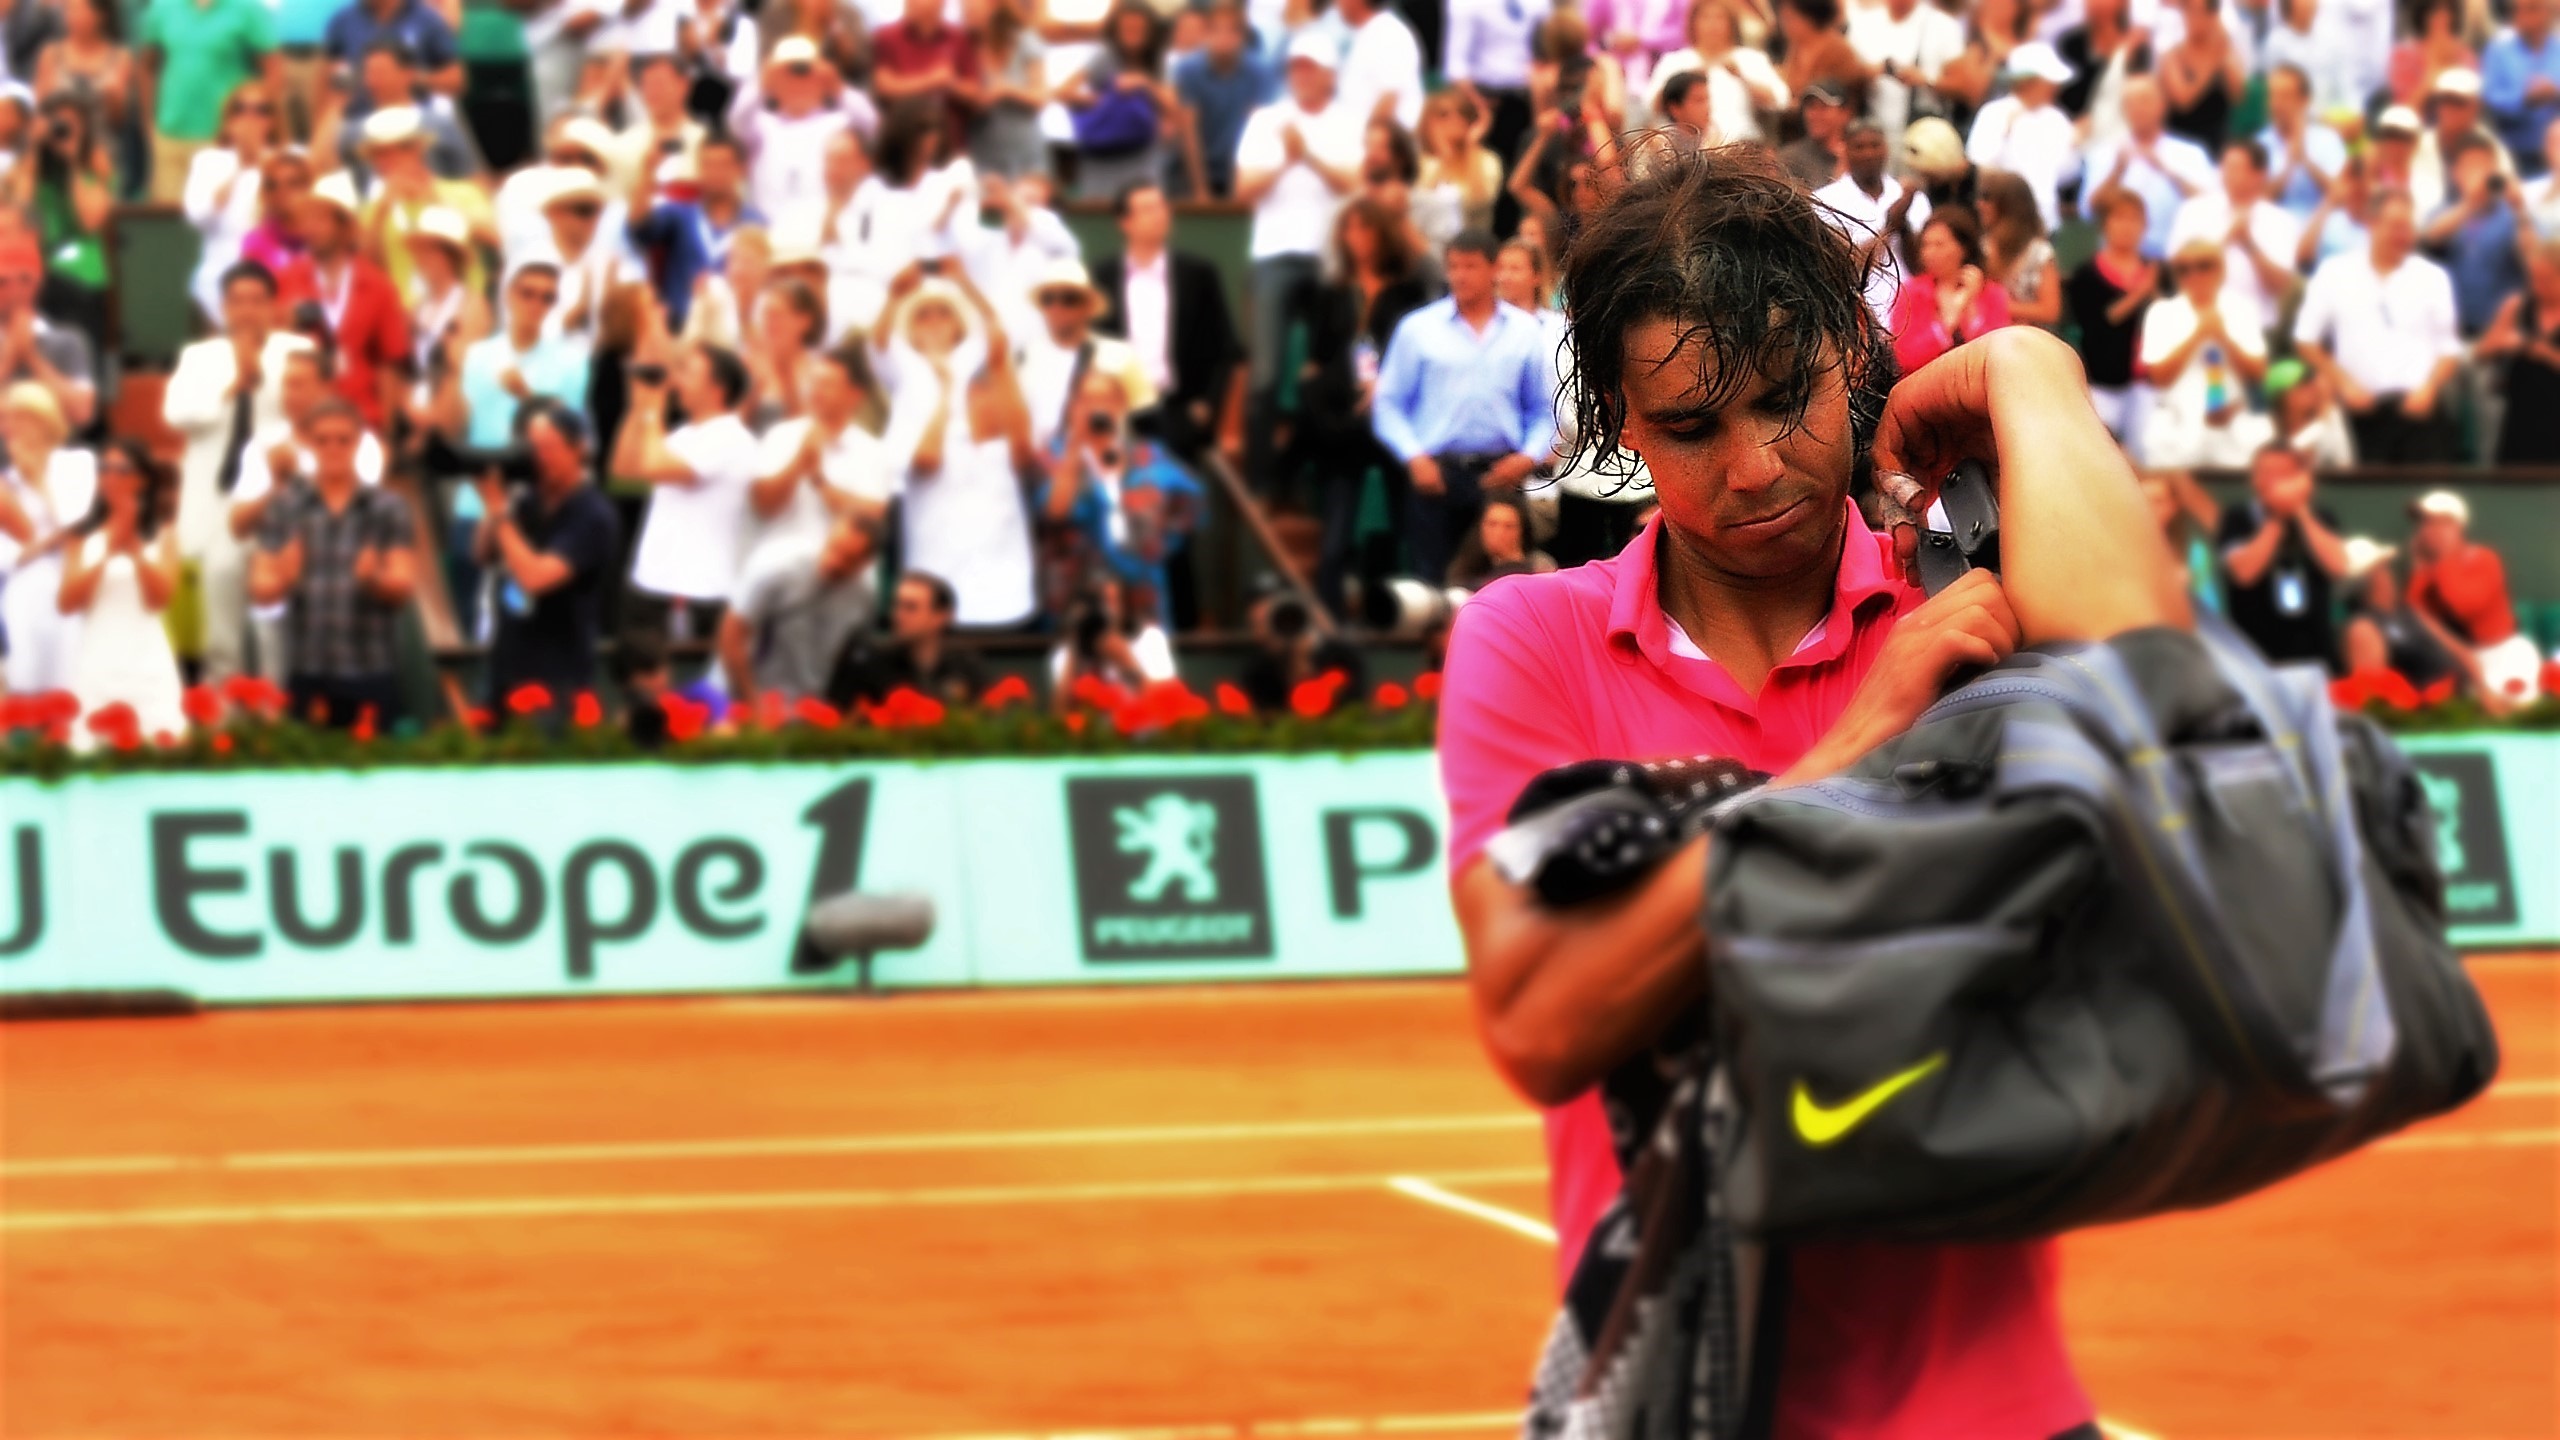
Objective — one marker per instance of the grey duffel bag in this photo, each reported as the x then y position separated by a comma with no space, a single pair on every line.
2120,929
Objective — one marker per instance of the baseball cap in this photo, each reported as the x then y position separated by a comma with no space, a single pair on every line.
2037,60
440,223
1064,273
587,133
2397,120
1931,147
2458,82
393,125
1823,92
794,50
2442,503
338,188
571,183
2364,552
1310,45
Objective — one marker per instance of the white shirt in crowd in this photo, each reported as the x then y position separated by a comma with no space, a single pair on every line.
2385,331
1740,85
883,229
1384,59
2039,145
1146,303
787,156
1296,216
1048,372
855,462
1920,43
1861,217
2179,431
197,404
694,534
222,218
2277,233
2431,184
1488,42
2174,169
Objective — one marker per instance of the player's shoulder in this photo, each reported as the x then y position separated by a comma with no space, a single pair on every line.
1547,615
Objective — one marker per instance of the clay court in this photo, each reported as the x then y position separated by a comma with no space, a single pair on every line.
1265,1211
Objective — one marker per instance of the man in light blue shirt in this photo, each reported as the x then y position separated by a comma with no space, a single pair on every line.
477,407
2303,154
1466,399
2520,82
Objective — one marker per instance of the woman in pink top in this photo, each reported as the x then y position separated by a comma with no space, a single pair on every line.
1949,300
1720,334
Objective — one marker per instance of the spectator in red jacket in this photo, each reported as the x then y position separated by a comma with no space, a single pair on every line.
366,321
2459,587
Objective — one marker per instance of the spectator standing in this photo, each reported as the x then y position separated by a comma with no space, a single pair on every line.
2337,227
923,61
1455,163
2480,236
588,253
2435,45
553,546
1004,134
118,576
222,392
45,495
1485,57
1465,401
416,27
336,553
680,227
785,117
2380,327
2307,418
221,196
2525,341
921,654
1114,507
368,323
1908,43
278,453
824,466
1296,161
2107,297
2305,154
2103,50
1876,210
1949,299
2520,79
1741,83
2320,55
1172,309
1814,52
67,187
961,432
406,188
1817,156
2015,253
1381,72
1634,35
2025,133
1056,357
90,60
799,602
526,359
1499,547
32,348
909,210
1995,29
2202,349
2259,238
1219,86
1120,103
2456,114
1350,324
2166,170
2280,555
194,54
2461,587
2202,75
699,476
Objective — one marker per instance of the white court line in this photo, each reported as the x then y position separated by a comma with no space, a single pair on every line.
2115,1431
1512,1220
2473,1140
921,1144
546,1206
2506,1088
1466,1423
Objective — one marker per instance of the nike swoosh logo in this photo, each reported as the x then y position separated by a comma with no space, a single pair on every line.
1819,1125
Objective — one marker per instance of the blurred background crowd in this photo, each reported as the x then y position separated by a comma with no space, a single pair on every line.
406,353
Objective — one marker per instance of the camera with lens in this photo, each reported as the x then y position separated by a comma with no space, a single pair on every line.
1288,618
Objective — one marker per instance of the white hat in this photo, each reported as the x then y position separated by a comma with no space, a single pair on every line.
394,125
2458,82
677,169
2398,118
1064,273
571,182
2364,552
1931,147
586,132
338,188
1311,44
793,50
799,240
2444,503
441,223
2037,60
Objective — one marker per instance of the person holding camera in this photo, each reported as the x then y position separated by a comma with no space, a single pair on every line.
69,186
1110,632
1289,651
698,477
336,553
552,543
479,401
1113,505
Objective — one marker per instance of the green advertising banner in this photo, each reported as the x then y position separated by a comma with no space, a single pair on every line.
639,879
614,880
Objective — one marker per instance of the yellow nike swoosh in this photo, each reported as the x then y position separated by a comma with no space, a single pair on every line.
1819,1125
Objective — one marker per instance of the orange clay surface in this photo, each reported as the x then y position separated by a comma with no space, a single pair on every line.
1166,1212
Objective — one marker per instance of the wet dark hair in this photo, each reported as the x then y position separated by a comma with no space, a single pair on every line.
1728,247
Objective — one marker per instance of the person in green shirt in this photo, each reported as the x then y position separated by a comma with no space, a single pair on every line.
67,186
194,52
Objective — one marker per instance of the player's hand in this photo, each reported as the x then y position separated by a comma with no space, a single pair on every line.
1968,625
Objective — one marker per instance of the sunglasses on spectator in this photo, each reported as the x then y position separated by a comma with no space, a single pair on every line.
2195,267
253,107
334,439
584,209
800,70
1058,299
531,295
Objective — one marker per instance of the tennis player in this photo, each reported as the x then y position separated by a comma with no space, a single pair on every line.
1720,335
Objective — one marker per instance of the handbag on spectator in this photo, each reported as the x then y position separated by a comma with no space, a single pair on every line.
1118,122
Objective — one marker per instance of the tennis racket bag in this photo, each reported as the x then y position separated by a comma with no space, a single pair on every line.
2115,929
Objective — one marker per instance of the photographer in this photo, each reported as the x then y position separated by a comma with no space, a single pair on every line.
477,402
1110,633
1721,334
1289,651
801,598
1115,507
920,654
552,542
69,190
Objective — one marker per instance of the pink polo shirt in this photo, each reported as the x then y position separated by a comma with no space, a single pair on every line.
1883,1342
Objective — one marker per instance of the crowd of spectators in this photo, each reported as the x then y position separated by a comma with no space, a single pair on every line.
754,332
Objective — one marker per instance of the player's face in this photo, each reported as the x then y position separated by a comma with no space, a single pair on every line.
1742,492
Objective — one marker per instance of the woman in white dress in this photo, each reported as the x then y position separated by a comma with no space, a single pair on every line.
118,577
959,429
46,492
221,195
